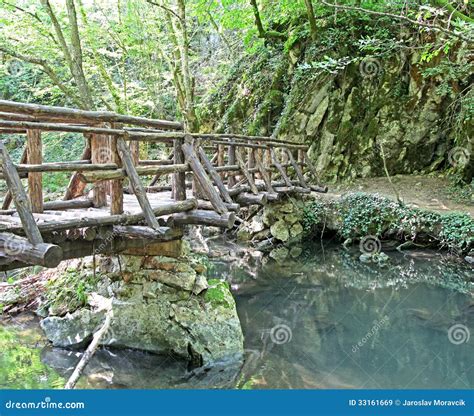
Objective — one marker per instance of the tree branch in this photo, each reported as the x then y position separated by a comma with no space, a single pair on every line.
167,9
47,69
399,17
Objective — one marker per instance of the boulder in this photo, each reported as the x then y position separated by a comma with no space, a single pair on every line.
165,307
280,231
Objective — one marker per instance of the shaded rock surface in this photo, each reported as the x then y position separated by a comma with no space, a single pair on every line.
161,305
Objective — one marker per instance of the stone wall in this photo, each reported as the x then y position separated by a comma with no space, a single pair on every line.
161,304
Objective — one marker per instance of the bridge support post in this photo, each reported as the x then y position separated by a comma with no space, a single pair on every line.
231,176
116,186
100,153
179,179
34,151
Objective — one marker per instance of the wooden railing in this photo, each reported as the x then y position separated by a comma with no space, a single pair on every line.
225,171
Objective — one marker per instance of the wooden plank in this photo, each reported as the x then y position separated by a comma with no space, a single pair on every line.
199,217
100,153
247,174
277,164
215,176
64,167
201,176
265,175
297,169
91,177
71,114
231,161
268,162
116,185
179,178
34,147
123,219
8,197
76,187
19,197
20,249
136,184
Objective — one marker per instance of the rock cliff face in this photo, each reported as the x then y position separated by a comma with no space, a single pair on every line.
160,304
354,111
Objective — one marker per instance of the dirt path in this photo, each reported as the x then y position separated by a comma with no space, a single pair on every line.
419,191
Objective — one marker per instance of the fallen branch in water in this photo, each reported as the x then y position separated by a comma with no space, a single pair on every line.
102,304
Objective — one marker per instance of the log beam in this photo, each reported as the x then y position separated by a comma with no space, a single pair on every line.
20,249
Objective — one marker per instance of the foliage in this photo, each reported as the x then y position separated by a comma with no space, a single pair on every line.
20,363
218,293
68,291
360,214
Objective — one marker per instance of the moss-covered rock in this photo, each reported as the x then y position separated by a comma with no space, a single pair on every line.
161,305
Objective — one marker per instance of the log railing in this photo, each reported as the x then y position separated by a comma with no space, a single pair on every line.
225,171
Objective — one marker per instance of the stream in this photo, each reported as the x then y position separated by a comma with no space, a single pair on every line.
320,320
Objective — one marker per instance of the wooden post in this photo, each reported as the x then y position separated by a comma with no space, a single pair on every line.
135,151
101,153
19,197
263,172
301,157
8,196
220,155
282,172
268,162
247,174
75,187
251,160
116,186
135,183
179,179
215,176
297,169
231,161
284,159
34,148
201,176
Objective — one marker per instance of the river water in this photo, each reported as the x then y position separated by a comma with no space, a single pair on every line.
321,320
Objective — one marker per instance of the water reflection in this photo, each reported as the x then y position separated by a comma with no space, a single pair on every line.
355,325
324,320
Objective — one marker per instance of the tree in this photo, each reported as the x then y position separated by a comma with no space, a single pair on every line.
178,58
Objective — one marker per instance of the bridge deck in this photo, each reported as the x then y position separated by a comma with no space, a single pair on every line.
210,177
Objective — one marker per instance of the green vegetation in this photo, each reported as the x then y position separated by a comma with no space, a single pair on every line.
20,363
68,291
218,293
359,215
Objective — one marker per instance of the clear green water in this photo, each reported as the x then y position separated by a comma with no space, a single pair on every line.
323,320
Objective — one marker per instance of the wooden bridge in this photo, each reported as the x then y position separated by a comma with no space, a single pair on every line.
107,208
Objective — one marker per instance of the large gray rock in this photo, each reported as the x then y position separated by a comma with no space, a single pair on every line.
167,309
